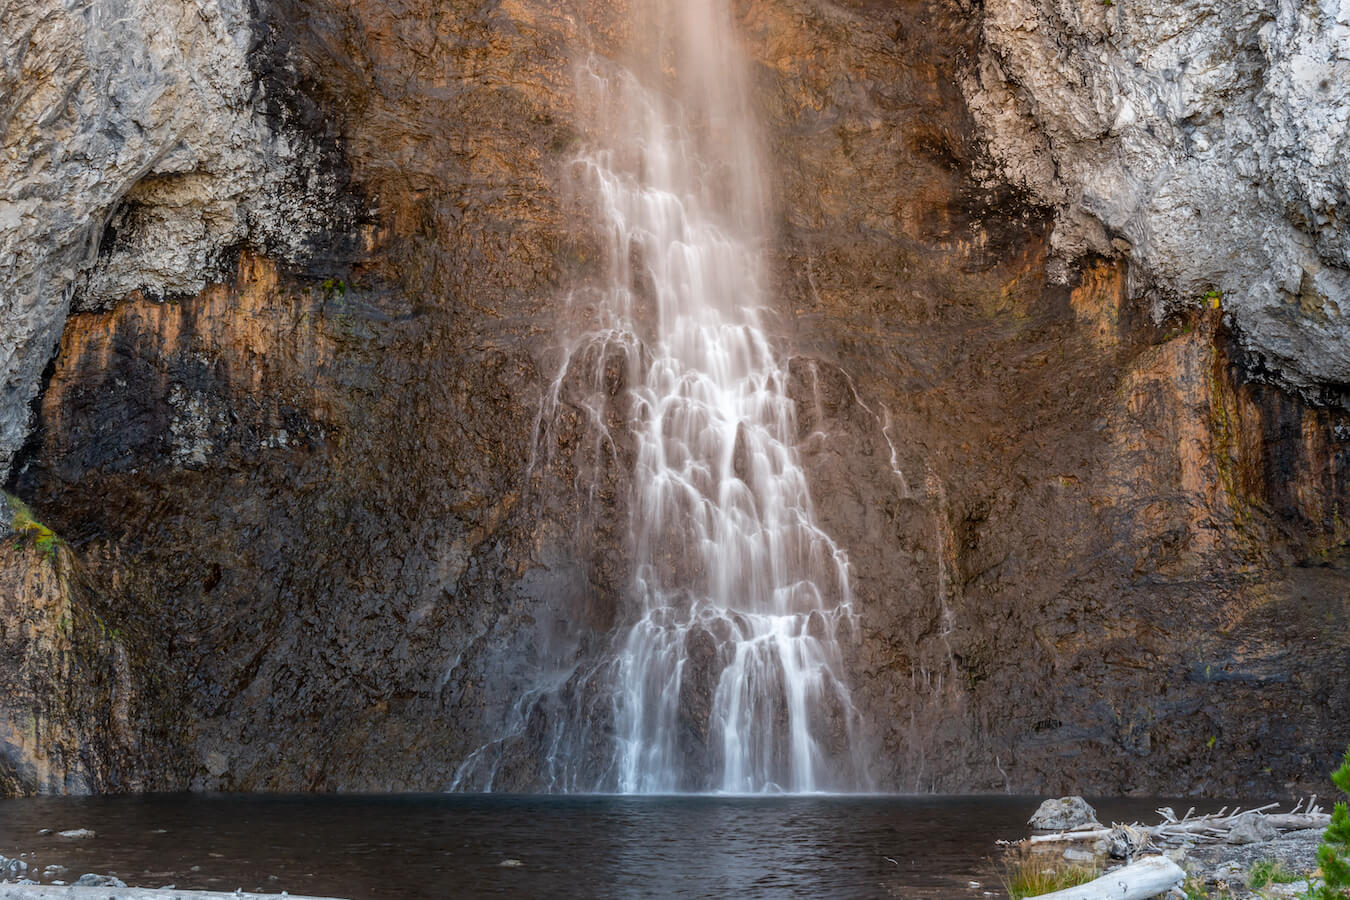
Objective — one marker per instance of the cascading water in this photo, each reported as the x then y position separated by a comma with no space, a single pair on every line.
726,672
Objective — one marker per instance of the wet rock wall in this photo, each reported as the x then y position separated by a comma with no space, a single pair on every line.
1092,550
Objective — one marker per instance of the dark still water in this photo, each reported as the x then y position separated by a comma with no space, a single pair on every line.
454,846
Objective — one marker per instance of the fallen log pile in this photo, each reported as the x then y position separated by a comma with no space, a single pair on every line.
1189,828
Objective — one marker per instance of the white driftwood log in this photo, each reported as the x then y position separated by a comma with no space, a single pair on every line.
1137,881
1299,821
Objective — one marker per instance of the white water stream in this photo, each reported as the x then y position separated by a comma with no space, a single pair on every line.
726,673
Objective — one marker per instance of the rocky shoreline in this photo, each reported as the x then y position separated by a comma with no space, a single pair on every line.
1228,869
19,881
72,892
1244,856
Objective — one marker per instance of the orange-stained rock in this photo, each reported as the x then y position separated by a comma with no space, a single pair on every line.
1090,553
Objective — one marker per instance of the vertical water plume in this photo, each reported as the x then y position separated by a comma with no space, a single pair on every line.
725,672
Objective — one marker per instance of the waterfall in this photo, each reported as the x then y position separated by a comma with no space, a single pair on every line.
725,672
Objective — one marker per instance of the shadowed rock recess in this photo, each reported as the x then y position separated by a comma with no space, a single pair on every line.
296,518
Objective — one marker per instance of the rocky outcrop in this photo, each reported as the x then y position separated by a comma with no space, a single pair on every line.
1207,141
314,480
140,146
74,706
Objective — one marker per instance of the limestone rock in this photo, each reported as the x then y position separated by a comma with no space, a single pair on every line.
94,880
1252,829
1208,139
1061,814
136,137
1125,841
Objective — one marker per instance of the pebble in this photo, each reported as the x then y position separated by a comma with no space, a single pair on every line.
1229,873
510,863
93,880
77,833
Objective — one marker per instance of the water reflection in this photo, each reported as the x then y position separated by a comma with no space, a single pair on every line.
605,847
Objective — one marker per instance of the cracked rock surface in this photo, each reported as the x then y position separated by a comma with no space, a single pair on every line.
134,134
1206,139
311,516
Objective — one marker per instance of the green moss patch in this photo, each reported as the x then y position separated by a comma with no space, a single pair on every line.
28,529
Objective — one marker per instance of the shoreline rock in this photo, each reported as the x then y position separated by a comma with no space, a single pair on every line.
1063,814
54,892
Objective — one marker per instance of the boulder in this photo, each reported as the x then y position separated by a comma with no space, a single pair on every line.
92,880
1062,814
1252,829
1125,841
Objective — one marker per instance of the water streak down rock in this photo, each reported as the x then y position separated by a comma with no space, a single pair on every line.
726,670
340,546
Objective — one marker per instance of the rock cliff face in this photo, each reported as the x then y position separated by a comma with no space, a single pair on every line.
1207,140
316,254
139,146
77,713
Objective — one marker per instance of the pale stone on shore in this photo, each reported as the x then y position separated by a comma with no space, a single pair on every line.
1252,829
1062,814
53,892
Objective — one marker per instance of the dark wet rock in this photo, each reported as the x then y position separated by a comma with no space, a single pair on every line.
322,534
697,687
1062,814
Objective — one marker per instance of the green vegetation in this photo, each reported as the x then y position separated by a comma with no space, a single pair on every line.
1270,871
1334,854
1213,298
1029,875
334,287
1195,889
30,529
1180,326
